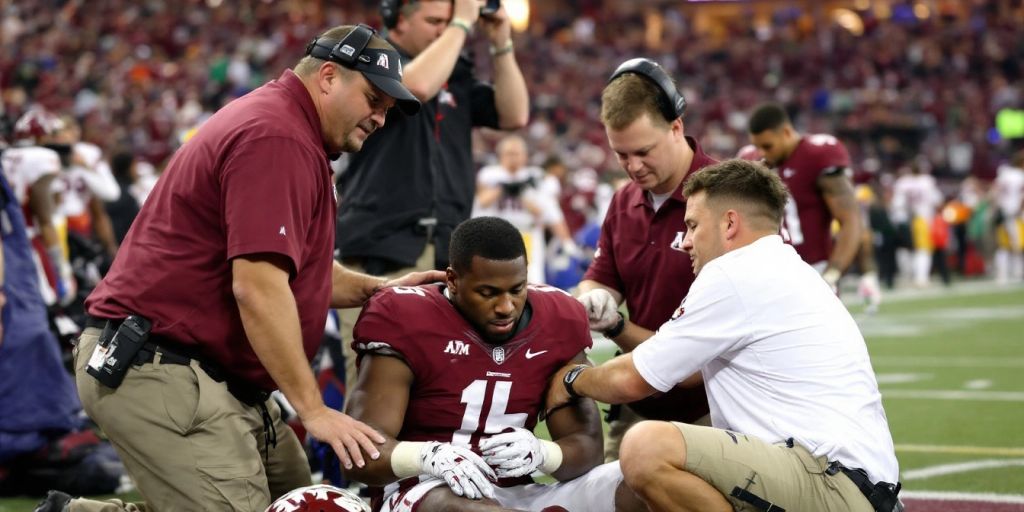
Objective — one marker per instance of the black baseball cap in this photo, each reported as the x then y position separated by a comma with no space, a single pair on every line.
381,66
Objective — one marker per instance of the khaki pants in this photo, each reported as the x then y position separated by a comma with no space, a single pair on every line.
186,441
349,316
618,427
790,478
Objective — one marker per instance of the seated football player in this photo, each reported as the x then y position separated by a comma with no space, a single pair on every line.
454,376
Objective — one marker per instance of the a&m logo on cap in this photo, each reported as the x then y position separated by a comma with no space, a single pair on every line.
382,61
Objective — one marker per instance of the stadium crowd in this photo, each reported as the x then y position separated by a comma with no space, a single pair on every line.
913,95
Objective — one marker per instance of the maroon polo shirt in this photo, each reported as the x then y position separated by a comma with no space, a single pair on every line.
641,255
254,179
640,252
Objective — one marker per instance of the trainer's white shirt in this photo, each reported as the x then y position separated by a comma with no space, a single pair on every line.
780,355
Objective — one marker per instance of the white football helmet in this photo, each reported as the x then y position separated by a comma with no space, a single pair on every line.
319,498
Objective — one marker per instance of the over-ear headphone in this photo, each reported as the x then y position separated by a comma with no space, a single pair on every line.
389,12
344,52
670,101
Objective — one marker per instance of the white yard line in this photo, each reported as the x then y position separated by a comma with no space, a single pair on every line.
962,496
960,289
949,362
1004,451
978,384
974,396
959,467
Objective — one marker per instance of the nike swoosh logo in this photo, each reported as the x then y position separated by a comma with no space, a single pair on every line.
531,355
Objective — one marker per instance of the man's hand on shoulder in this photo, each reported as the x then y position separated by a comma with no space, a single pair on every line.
519,453
464,471
602,309
345,434
415,279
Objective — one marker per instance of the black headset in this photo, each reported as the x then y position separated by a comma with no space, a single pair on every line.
345,52
670,101
389,12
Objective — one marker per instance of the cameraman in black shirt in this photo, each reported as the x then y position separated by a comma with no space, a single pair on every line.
414,180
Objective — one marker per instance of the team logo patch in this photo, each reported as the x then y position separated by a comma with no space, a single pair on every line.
446,98
382,61
457,347
677,242
680,310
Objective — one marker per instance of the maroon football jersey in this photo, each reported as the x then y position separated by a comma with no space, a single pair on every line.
808,221
466,388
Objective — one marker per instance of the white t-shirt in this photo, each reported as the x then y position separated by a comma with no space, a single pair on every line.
780,355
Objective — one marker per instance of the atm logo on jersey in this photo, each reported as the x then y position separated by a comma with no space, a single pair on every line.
459,348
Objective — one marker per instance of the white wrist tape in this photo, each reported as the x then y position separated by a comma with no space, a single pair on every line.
405,459
552,457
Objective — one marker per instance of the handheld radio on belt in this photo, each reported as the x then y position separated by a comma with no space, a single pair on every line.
116,350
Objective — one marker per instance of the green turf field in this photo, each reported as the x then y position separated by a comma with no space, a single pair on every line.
950,364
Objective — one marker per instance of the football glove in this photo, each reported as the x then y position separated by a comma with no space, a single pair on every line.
519,453
602,310
464,471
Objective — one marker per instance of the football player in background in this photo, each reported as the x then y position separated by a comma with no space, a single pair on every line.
816,170
89,184
454,375
31,168
916,199
1008,193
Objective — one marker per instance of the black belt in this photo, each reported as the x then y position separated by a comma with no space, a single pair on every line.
172,352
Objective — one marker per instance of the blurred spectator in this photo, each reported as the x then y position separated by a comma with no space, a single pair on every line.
513,191
123,210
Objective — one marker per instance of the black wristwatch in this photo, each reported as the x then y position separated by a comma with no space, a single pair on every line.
570,377
615,330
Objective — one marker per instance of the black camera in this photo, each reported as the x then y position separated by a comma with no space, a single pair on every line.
64,151
515,188
491,8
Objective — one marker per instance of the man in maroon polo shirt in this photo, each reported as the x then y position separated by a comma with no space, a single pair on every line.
230,260
640,258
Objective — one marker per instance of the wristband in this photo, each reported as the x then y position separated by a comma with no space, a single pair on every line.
405,459
507,48
463,24
552,457
615,330
570,377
